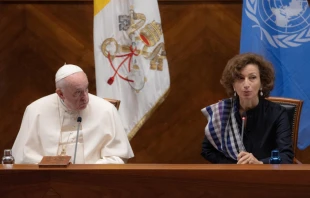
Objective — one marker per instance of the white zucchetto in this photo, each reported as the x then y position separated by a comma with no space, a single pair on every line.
66,70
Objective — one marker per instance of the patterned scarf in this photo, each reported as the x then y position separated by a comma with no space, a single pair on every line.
222,128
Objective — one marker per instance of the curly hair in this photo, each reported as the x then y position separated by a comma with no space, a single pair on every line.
235,65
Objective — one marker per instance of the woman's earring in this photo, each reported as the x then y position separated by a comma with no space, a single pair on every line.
235,94
261,92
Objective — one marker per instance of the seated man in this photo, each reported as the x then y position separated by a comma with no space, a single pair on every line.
49,125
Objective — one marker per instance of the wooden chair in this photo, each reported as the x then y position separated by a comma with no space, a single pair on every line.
293,108
115,102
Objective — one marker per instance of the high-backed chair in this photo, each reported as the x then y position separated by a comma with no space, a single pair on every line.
115,102
293,108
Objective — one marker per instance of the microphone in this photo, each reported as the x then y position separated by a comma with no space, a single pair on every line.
243,122
79,120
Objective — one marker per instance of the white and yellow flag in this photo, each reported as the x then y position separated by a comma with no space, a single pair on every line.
130,58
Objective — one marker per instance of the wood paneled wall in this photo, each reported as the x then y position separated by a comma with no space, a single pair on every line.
37,37
200,38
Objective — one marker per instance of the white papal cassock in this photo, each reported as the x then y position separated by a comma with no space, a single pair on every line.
48,128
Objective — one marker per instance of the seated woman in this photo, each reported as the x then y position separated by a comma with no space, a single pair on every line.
248,80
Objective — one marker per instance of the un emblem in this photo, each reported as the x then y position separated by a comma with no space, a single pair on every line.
283,23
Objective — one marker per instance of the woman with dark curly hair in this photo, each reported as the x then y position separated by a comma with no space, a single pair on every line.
248,79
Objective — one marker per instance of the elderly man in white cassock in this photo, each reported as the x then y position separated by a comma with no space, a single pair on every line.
49,126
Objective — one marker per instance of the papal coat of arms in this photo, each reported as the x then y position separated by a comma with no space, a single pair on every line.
152,49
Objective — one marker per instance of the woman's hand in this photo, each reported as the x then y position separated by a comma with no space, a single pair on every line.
247,158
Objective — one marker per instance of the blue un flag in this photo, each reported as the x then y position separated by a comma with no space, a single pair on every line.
280,31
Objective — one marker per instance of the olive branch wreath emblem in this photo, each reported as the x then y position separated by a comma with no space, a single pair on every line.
279,40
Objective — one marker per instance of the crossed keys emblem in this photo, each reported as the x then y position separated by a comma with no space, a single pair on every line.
151,50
